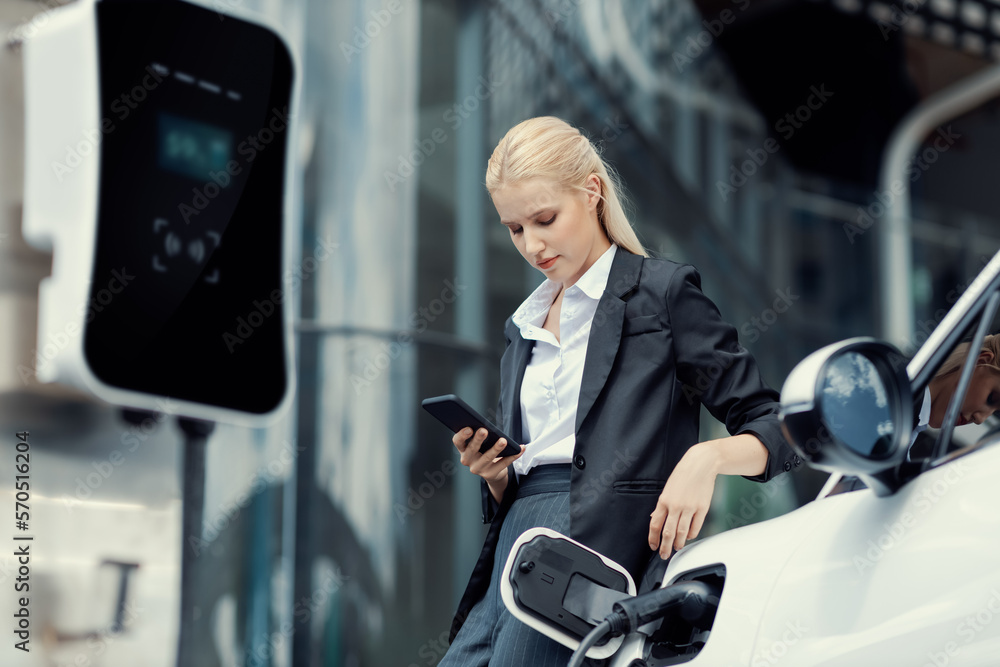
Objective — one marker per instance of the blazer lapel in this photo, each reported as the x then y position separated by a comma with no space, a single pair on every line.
606,331
514,368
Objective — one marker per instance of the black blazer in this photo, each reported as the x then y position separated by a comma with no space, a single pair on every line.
658,348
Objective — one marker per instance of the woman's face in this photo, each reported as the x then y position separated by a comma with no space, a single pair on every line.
555,230
982,399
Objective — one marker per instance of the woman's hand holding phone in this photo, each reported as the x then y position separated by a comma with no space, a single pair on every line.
487,465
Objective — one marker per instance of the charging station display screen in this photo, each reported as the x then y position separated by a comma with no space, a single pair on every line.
187,289
193,148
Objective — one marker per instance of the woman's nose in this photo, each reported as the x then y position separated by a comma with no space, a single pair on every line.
532,243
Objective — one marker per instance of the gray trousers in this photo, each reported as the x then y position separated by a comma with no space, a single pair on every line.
491,636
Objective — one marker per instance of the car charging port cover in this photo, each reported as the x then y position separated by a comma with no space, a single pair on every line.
558,582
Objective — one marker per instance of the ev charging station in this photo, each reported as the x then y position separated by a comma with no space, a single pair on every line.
157,142
158,172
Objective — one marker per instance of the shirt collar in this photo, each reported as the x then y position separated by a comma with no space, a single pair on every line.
591,283
925,409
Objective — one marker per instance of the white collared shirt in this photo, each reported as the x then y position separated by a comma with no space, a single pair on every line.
924,419
550,390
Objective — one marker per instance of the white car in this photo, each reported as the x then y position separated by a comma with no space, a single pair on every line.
902,571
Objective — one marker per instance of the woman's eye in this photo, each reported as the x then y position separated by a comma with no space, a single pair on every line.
515,230
992,398
547,222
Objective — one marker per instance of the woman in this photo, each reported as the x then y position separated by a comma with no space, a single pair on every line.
983,397
605,367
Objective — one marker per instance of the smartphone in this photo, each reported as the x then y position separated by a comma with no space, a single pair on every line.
455,413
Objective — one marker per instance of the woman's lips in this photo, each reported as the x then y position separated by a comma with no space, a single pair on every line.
547,263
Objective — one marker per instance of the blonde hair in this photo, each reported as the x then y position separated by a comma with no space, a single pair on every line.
550,148
991,343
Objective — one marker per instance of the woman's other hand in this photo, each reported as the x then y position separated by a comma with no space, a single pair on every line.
683,504
488,465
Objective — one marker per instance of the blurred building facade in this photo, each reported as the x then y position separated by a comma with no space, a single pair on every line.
344,535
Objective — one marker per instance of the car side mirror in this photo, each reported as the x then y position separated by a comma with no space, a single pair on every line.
848,408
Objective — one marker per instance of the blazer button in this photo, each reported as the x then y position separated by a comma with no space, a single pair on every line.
788,466
579,462
796,459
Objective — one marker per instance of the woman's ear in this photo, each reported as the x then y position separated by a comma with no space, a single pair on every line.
986,357
593,186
